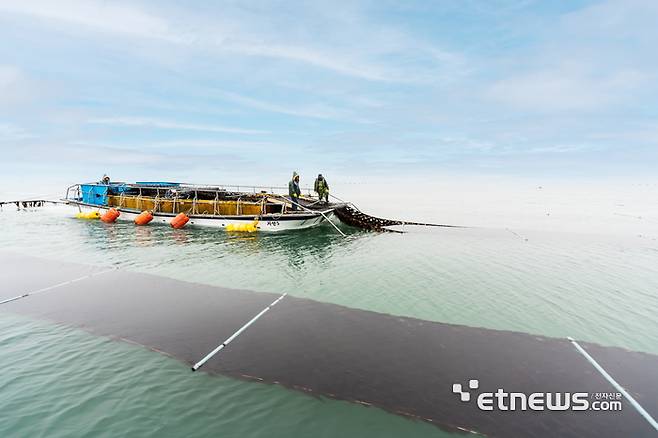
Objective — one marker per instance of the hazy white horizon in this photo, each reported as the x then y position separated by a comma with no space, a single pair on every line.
584,206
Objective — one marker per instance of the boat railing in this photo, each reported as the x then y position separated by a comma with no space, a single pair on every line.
270,196
238,188
74,192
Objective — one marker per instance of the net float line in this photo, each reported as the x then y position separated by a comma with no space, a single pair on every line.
55,286
221,346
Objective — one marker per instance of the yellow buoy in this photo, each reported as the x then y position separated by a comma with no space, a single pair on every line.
245,228
88,215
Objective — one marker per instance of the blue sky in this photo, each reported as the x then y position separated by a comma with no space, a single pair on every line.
249,91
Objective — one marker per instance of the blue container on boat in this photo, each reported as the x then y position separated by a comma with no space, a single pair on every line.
96,194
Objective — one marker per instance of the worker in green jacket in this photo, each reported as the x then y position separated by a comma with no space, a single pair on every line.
294,191
321,187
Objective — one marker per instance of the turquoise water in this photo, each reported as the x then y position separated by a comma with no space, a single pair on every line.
594,287
69,383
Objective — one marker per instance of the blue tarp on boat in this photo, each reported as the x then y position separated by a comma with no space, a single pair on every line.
96,194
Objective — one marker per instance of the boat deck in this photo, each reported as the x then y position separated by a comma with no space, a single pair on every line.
403,365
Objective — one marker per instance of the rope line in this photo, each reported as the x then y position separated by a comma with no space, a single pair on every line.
221,346
45,289
614,383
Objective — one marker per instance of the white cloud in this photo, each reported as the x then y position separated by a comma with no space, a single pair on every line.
247,34
15,88
596,58
9,75
166,124
615,20
566,89
318,111
10,133
330,60
560,149
197,145
104,16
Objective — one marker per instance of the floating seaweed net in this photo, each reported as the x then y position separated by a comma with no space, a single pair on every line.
351,215
32,203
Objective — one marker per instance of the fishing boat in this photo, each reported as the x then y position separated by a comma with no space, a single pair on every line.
236,208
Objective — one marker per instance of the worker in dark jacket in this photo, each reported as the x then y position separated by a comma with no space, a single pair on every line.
321,187
294,191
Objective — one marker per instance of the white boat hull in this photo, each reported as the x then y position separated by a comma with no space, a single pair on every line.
271,223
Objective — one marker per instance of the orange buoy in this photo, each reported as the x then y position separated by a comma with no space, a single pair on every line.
179,221
110,215
144,218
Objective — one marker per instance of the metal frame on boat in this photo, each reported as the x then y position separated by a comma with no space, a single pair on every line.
220,206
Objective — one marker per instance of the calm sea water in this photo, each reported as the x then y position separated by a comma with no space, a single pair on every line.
58,380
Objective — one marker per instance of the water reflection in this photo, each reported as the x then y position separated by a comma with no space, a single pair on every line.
297,247
180,236
143,236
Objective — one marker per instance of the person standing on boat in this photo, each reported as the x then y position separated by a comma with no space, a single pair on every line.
294,191
321,187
